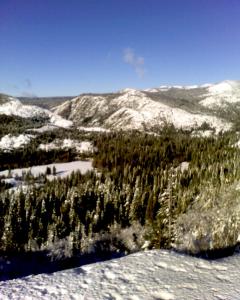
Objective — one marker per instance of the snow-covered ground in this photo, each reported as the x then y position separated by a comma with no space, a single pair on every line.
156,274
84,146
134,109
213,95
62,169
10,142
48,127
222,93
203,133
93,129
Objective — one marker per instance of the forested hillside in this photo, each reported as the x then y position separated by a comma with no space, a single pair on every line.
168,190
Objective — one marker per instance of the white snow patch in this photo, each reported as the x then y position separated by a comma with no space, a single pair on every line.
184,166
180,87
222,87
11,181
59,121
93,129
10,142
62,169
202,133
237,144
206,85
48,127
148,275
128,90
191,87
153,90
84,146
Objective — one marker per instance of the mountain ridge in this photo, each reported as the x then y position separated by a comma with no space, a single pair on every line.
184,107
212,106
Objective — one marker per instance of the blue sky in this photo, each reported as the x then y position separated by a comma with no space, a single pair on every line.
67,47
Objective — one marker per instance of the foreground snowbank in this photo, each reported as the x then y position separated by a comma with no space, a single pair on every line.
156,274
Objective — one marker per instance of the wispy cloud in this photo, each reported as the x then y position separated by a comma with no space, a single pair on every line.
137,62
27,91
28,83
23,88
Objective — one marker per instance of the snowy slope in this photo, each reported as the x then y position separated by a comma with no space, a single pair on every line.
138,109
132,109
13,107
155,274
168,87
221,94
10,142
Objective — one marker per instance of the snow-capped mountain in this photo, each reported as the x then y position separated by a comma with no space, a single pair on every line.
223,93
13,107
143,110
208,95
213,105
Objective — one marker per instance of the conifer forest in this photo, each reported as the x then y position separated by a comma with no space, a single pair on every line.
162,190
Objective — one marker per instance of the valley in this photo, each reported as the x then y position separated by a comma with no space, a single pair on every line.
106,175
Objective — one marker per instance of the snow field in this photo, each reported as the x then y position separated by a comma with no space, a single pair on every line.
10,142
62,169
156,274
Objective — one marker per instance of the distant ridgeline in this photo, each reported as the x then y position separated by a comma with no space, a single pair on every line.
169,190
45,102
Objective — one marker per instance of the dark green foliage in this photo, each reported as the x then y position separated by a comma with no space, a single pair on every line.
28,156
139,179
16,125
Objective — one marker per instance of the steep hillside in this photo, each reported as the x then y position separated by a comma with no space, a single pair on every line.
143,110
11,106
222,94
221,99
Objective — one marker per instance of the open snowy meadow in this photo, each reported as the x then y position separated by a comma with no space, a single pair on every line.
62,169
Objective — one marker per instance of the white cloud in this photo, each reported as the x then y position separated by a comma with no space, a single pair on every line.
137,62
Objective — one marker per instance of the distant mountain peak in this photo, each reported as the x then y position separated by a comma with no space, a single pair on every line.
129,90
